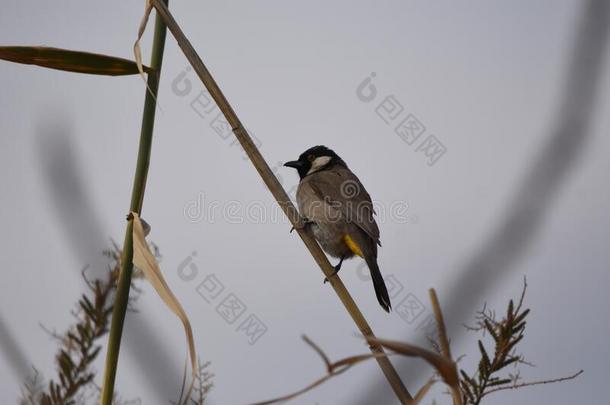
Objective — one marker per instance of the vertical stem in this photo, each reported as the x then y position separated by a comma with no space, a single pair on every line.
444,343
137,197
440,324
281,197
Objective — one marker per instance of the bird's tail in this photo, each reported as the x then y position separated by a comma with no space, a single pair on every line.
380,289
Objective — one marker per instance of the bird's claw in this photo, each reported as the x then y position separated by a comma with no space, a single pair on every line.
301,224
334,273
326,279
337,268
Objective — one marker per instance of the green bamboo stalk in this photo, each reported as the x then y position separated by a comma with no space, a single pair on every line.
281,197
137,197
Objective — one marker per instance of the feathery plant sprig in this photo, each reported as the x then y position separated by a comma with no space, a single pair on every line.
201,387
464,389
32,389
506,334
79,346
203,384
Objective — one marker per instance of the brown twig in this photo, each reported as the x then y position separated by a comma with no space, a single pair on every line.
445,367
279,193
532,383
332,369
440,324
444,345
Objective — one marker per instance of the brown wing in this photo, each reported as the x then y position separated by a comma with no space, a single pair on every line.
342,190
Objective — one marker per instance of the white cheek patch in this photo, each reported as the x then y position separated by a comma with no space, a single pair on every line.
319,163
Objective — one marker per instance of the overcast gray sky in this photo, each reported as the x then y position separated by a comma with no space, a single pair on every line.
487,81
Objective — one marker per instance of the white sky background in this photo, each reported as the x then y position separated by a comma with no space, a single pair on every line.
485,79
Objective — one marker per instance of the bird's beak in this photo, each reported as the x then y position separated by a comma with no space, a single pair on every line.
295,164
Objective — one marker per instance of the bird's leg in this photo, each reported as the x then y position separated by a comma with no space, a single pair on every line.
337,268
302,224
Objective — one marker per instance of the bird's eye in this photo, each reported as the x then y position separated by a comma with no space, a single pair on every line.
311,158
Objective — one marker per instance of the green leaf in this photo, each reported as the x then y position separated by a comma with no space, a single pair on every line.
71,61
509,313
93,355
74,338
508,362
492,330
87,306
466,391
498,382
484,364
522,316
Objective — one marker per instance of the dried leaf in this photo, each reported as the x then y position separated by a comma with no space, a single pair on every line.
325,359
137,51
300,392
70,61
445,367
419,396
145,261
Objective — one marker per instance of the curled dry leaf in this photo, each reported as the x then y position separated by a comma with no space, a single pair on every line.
145,261
419,396
137,50
445,367
70,61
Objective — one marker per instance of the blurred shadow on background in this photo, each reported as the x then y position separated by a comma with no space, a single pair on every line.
500,252
77,215
62,176
14,354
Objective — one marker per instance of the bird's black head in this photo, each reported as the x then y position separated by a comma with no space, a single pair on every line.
315,159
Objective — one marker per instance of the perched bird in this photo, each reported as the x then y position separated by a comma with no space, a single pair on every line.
339,211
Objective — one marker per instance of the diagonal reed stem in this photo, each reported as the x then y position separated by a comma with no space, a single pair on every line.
137,198
280,195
